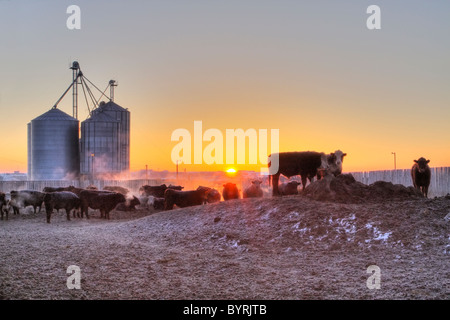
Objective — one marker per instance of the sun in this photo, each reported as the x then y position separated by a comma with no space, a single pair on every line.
231,171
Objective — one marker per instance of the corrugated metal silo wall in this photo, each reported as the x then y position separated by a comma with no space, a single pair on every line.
100,138
54,149
124,118
125,140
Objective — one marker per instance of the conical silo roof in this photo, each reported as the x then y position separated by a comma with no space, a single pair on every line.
110,106
99,116
54,114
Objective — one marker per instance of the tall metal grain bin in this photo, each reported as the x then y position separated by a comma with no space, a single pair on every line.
100,145
105,140
54,148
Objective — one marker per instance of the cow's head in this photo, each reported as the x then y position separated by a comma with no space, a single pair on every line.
256,182
422,163
339,155
335,161
204,191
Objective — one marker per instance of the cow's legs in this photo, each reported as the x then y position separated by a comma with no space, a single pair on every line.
425,191
304,178
86,211
275,178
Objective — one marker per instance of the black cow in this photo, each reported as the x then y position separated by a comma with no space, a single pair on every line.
61,200
421,175
253,191
307,164
230,191
25,198
184,199
103,200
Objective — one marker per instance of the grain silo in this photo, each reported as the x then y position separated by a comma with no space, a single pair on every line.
53,149
105,140
123,116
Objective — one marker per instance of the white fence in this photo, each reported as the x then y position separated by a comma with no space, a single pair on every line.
439,186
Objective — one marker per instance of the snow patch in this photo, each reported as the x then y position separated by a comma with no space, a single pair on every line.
377,234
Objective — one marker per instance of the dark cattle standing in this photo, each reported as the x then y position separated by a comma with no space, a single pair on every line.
230,191
289,188
58,189
4,205
61,200
254,191
184,199
157,191
26,198
307,164
103,200
421,175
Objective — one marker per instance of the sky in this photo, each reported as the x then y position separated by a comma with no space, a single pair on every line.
311,69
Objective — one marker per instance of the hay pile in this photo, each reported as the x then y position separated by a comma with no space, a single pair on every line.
345,189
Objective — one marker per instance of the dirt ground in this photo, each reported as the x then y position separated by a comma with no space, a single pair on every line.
291,247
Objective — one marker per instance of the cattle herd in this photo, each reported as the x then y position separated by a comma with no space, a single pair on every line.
77,201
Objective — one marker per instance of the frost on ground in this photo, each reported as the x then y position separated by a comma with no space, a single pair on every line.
289,247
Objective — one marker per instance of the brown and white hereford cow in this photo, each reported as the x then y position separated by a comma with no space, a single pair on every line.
307,164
